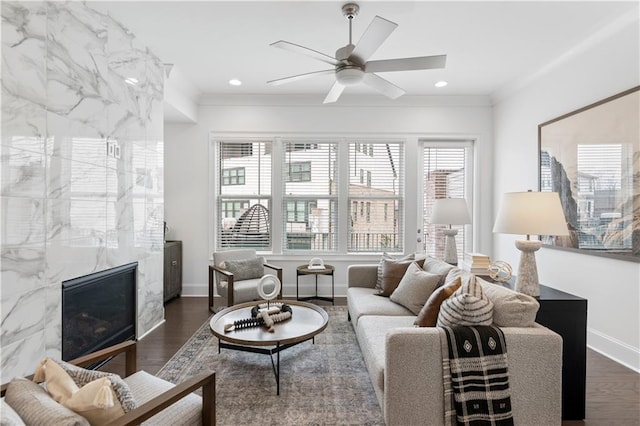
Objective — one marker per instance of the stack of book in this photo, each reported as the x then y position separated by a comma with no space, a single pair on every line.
476,263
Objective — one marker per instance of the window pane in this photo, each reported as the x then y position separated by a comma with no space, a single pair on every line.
444,177
375,182
309,195
243,196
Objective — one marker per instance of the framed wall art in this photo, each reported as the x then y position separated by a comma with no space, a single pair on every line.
591,157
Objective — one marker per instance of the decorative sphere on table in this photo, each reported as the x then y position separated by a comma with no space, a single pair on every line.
500,271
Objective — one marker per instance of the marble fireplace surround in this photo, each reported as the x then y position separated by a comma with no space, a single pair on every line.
81,169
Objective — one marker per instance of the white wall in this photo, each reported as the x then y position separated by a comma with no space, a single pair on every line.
606,64
186,161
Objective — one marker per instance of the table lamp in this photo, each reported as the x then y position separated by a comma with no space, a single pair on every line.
530,213
450,211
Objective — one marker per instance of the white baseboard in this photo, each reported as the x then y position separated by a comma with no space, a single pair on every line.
610,347
195,290
152,328
202,290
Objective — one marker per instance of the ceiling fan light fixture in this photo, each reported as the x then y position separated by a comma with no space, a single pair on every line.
349,75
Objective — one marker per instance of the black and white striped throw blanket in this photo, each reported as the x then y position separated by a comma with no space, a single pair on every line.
476,380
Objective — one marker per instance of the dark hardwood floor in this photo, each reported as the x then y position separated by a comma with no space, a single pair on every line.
613,391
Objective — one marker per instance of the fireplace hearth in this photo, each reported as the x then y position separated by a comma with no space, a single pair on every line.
98,310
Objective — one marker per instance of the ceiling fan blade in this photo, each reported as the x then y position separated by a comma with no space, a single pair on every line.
383,86
406,64
334,93
293,78
375,34
292,47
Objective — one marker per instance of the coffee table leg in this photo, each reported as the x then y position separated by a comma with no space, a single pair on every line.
276,366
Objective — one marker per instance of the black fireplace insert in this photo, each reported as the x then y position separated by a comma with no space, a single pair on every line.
98,310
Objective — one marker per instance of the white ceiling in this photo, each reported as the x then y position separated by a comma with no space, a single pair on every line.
489,45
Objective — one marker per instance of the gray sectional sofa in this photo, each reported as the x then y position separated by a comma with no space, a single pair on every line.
405,362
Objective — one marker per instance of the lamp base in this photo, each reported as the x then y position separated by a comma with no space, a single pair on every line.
450,251
527,281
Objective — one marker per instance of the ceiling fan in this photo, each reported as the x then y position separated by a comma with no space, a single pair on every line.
351,65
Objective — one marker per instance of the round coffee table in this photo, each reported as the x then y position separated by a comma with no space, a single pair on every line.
306,321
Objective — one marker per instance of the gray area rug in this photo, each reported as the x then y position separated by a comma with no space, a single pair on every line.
325,383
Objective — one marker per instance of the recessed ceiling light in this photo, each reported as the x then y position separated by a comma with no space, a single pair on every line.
235,82
441,84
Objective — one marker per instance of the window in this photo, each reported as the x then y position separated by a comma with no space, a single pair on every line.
233,176
297,182
310,200
446,174
298,172
243,194
384,178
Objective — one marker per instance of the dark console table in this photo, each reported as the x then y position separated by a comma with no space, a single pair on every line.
566,314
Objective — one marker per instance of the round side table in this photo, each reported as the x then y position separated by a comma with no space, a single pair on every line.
327,270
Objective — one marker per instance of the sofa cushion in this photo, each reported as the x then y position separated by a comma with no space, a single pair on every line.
392,273
414,288
510,308
467,306
145,387
386,256
365,301
372,334
245,269
36,407
438,267
428,315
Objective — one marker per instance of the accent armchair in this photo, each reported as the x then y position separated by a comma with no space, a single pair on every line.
158,401
235,275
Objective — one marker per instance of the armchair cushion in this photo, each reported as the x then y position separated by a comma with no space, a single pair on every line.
245,269
35,406
145,387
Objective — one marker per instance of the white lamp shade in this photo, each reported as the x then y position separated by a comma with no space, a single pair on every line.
531,213
450,211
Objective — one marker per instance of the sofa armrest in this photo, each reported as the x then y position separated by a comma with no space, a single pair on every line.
362,275
413,387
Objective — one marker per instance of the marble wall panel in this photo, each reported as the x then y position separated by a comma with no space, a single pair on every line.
71,205
22,171
22,269
22,357
22,316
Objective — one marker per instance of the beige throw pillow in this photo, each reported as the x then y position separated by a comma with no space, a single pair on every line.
96,401
438,267
467,306
36,407
414,288
510,308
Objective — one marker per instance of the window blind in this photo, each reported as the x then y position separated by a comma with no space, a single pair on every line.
445,176
310,199
375,185
243,185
